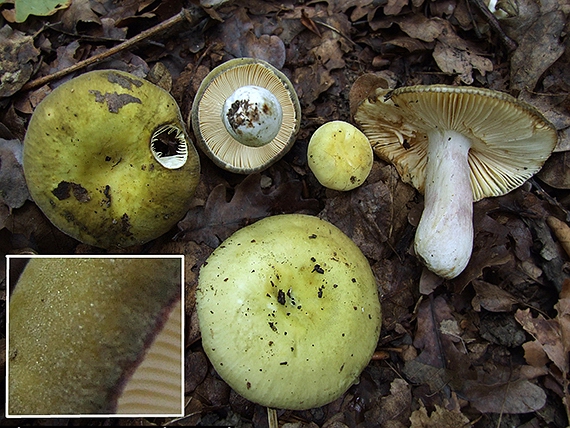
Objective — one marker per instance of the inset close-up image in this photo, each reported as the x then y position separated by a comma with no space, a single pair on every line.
95,336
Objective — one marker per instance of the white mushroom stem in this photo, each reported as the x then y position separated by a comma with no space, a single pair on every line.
252,115
444,238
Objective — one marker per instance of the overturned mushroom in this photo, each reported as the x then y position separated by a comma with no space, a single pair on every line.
245,115
456,145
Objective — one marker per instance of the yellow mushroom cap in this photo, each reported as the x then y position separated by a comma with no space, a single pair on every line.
340,155
274,118
289,312
108,160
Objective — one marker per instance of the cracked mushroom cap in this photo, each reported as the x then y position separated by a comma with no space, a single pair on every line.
510,139
245,115
108,160
289,312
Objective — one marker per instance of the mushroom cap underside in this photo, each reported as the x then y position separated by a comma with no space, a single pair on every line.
510,139
289,311
155,387
208,124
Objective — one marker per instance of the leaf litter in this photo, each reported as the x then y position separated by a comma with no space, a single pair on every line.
488,348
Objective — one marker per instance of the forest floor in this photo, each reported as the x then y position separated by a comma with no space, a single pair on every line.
489,348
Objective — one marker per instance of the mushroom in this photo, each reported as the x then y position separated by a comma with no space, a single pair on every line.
456,145
245,115
96,336
108,160
289,312
339,155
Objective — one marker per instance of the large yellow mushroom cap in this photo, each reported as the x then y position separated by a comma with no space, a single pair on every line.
108,160
289,311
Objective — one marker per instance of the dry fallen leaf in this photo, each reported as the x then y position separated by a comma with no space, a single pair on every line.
394,407
534,354
218,218
368,214
17,62
438,350
363,87
456,56
78,11
556,171
491,297
239,39
553,335
13,188
420,27
518,396
439,418
561,231
537,50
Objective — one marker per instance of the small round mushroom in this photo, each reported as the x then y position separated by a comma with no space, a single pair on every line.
340,155
456,145
245,115
289,312
96,336
108,160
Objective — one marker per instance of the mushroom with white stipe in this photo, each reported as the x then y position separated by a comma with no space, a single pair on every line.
456,145
245,115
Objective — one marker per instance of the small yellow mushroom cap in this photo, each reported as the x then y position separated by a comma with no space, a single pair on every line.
289,311
340,155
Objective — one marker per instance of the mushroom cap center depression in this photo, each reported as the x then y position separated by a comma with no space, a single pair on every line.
252,115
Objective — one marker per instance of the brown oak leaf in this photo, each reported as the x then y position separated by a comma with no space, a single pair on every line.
219,218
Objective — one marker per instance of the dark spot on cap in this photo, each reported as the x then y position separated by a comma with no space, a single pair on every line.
281,297
123,81
114,100
65,189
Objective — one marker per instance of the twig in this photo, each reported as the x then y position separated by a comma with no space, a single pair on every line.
192,15
340,33
509,43
272,419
